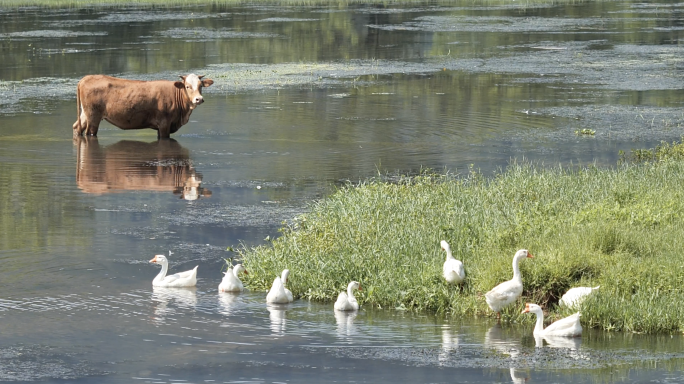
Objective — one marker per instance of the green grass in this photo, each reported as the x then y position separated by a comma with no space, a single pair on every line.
620,228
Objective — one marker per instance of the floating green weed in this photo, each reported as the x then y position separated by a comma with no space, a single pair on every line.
585,132
171,3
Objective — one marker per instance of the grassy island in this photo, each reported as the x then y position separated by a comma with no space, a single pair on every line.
620,228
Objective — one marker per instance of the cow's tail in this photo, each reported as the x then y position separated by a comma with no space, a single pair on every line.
77,124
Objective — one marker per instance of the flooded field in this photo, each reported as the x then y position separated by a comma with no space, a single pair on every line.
305,98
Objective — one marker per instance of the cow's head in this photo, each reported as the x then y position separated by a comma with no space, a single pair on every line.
192,84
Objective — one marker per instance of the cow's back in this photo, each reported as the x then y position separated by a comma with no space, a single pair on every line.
122,94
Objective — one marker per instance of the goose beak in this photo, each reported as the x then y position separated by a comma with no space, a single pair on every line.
526,310
154,260
529,255
360,288
246,273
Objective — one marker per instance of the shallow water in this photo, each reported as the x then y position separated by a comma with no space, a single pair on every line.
305,98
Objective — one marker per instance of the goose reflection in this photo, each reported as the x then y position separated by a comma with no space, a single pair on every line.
127,165
558,342
449,344
571,344
276,313
345,323
495,338
227,302
183,298
519,376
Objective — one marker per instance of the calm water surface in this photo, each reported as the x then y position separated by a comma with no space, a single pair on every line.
305,98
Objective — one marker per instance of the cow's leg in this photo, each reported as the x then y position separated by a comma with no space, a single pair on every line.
80,124
164,132
92,128
77,125
77,128
92,122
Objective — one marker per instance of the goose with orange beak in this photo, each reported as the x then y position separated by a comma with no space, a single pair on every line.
231,281
507,292
566,327
177,280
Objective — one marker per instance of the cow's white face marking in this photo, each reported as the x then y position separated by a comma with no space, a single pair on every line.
193,87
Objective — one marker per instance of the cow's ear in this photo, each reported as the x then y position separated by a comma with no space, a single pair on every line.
179,84
207,82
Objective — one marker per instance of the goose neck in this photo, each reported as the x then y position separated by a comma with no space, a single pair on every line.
539,326
350,291
162,273
517,276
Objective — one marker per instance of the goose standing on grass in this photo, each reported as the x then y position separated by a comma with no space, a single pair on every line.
575,296
347,301
278,293
508,291
566,327
231,281
177,280
452,270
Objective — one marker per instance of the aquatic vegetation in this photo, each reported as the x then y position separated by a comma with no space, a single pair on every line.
156,3
585,132
664,151
619,228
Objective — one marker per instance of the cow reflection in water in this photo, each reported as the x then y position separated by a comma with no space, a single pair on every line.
128,165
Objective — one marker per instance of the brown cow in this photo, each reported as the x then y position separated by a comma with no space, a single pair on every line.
132,104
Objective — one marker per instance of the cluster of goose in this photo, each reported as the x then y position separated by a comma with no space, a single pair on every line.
278,294
508,292
453,271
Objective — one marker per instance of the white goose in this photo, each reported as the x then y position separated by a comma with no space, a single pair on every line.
347,301
567,327
177,280
575,296
231,281
508,291
278,293
452,270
